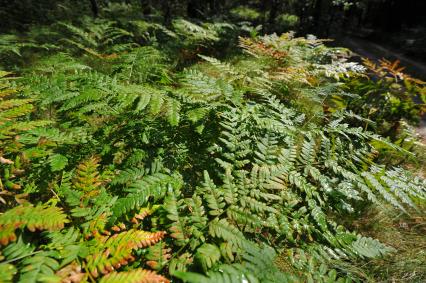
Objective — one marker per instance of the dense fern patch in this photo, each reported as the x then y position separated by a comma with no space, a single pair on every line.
131,154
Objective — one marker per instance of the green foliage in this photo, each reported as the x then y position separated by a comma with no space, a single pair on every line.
12,109
7,272
32,218
288,21
257,267
137,275
245,13
389,99
96,37
135,159
58,162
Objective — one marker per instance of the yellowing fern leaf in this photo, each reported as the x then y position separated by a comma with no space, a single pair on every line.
134,276
87,178
116,251
33,218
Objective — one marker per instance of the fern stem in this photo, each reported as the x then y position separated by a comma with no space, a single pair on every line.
20,257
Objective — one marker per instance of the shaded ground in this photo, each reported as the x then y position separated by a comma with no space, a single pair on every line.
366,48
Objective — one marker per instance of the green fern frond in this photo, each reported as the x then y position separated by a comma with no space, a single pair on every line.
213,196
142,65
94,37
144,188
18,249
7,272
224,230
207,255
257,268
128,176
39,267
194,33
370,248
174,205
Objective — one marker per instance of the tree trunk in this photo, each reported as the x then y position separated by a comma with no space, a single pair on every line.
318,17
146,7
167,11
273,11
212,7
194,9
95,8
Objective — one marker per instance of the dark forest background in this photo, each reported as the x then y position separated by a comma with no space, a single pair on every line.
399,23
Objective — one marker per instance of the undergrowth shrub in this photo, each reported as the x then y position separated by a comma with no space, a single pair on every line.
388,97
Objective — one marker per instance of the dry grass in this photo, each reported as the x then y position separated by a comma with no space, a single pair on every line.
407,234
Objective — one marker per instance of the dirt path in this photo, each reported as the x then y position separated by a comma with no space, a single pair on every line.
376,51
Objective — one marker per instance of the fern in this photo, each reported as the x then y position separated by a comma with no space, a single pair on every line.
257,268
194,32
370,248
141,65
226,231
7,272
96,38
208,255
137,275
132,134
141,191
87,177
12,108
39,267
158,256
33,218
173,204
58,162
115,251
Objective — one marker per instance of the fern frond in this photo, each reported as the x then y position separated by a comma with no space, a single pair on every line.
134,276
12,109
193,32
226,231
142,65
370,248
128,176
158,256
207,255
41,266
213,196
18,249
147,187
174,204
373,183
115,251
32,217
87,178
7,272
256,268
